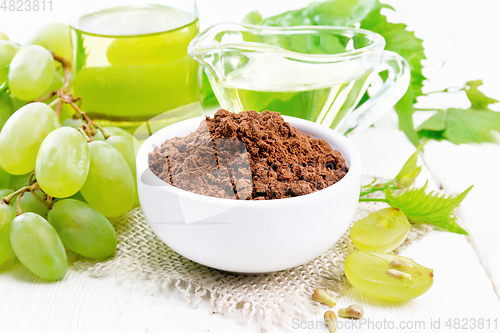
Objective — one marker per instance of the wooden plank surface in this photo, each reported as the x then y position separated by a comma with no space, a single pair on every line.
464,268
458,52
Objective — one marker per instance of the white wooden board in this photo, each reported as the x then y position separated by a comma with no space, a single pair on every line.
459,32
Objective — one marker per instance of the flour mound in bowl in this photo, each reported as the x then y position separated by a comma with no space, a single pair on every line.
248,156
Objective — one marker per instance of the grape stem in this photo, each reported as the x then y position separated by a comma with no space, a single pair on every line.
19,211
70,100
30,188
64,96
447,90
66,68
85,135
373,200
58,107
90,124
54,102
48,202
11,196
365,190
104,133
417,109
30,179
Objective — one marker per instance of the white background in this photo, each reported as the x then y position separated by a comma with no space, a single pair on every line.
461,34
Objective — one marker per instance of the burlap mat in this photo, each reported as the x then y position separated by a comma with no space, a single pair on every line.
269,300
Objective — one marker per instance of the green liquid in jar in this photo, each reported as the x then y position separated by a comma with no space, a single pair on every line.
131,63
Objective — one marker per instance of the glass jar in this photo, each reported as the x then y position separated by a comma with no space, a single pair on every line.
130,60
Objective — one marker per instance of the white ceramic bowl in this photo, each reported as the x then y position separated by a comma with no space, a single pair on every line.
248,236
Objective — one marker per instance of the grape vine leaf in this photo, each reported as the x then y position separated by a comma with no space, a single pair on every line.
402,41
461,126
331,12
405,43
367,13
405,110
405,177
81,52
477,98
254,17
410,170
421,207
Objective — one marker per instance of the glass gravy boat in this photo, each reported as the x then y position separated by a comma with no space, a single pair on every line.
316,73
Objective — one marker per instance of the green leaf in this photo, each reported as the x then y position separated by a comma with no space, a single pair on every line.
406,176
253,17
410,170
461,126
477,98
367,13
331,12
81,52
435,123
421,207
398,39
405,110
339,12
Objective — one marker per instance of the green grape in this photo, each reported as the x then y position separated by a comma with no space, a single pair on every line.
125,147
117,131
6,108
31,72
5,178
9,263
62,163
7,214
56,84
381,231
22,136
75,123
77,196
112,130
83,229
387,276
17,103
7,51
5,193
3,36
98,136
55,37
38,247
67,112
110,186
18,181
30,204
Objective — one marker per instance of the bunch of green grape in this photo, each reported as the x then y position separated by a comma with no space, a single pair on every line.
29,72
59,181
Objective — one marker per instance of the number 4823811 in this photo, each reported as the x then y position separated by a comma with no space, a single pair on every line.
26,5
472,323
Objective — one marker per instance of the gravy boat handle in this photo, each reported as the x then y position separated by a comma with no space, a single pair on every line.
392,90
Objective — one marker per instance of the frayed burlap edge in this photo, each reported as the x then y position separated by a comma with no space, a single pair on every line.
268,300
